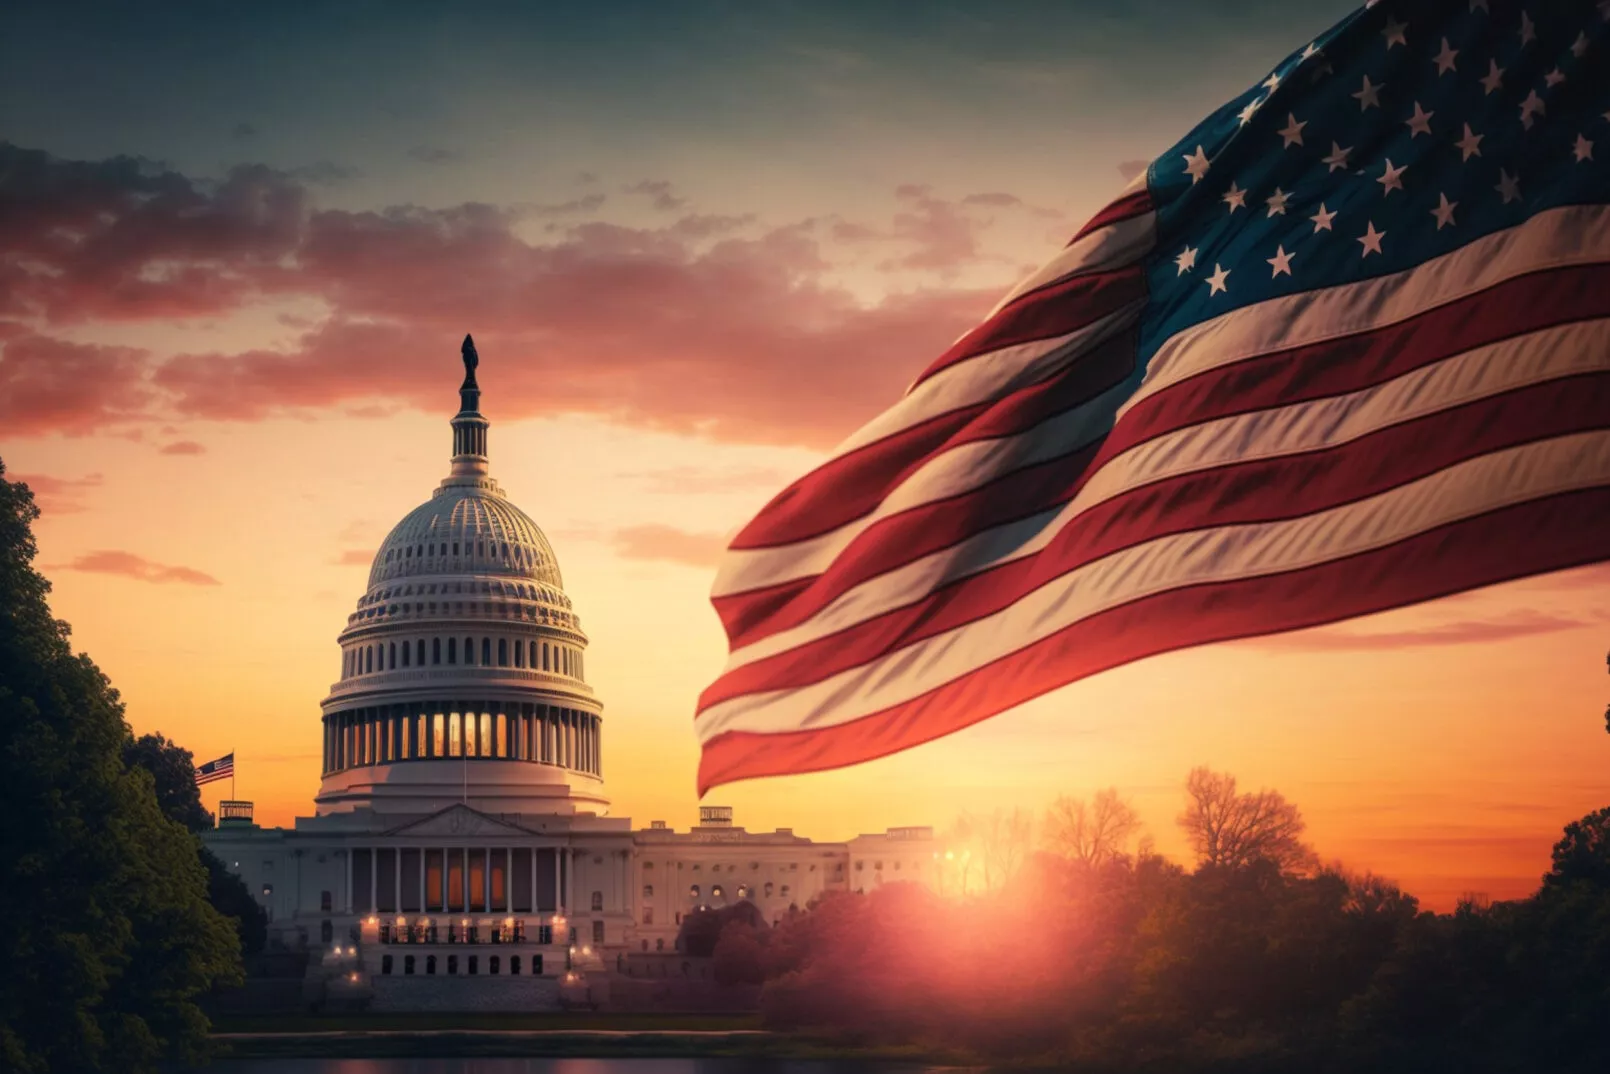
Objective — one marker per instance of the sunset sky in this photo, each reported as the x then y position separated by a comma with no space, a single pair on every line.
697,244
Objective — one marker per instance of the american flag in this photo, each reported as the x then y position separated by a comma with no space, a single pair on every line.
222,768
1342,348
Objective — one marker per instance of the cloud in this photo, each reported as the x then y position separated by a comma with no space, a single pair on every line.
59,495
1522,623
355,557
428,154
139,568
709,325
1131,168
183,447
667,544
660,191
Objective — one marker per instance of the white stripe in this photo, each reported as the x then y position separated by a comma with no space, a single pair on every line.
1223,554
1573,235
1313,425
745,569
1113,246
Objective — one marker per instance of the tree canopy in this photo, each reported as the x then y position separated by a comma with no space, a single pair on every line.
109,938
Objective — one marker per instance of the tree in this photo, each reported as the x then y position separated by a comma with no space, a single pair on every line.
173,768
109,938
1005,839
1092,833
1231,830
1583,853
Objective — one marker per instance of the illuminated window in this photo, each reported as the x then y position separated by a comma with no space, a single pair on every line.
715,892
648,891
693,892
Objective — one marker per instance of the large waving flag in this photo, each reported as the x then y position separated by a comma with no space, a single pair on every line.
1343,348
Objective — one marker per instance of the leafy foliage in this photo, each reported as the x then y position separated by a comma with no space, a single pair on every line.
109,936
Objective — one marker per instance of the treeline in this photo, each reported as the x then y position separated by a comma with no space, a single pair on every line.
1098,957
115,920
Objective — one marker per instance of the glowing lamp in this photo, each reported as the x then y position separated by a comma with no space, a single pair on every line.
353,977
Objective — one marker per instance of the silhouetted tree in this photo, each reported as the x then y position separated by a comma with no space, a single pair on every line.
173,768
108,938
1228,829
1005,838
1091,833
1583,853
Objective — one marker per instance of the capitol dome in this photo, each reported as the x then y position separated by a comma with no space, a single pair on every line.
462,671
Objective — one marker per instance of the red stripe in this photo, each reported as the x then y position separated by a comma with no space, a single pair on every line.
1046,313
1264,490
1125,208
1338,366
1554,533
1516,307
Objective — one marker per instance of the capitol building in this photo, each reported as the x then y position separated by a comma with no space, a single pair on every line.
461,851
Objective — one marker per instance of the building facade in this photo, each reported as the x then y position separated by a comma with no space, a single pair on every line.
461,851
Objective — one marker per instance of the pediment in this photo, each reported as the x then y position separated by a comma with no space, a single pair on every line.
457,821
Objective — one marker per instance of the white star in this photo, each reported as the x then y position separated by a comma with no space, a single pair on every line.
1444,59
1554,78
1528,33
1219,281
1394,34
1281,261
1470,144
1583,149
1322,220
1309,51
1196,165
1277,202
1579,47
1420,122
1368,97
1371,240
1293,134
1338,157
1509,186
1444,212
1246,114
1235,197
1392,179
1495,78
1272,83
1186,260
1533,105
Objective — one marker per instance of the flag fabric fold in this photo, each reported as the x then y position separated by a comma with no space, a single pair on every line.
1343,348
222,768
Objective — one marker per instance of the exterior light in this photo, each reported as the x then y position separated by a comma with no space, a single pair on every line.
401,920
354,977
372,919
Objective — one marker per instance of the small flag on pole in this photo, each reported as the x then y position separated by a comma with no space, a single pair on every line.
222,768
1342,348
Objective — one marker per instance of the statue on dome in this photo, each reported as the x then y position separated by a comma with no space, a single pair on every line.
471,360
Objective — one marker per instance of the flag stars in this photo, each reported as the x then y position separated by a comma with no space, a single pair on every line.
1583,150
1371,239
1196,165
1396,33
1322,220
1277,202
1338,157
1531,107
1528,31
1369,96
1235,197
1509,186
1246,114
1494,80
1579,47
1444,212
1420,122
1219,281
1554,78
1281,262
1445,59
1392,178
1272,83
1186,261
1293,133
1470,144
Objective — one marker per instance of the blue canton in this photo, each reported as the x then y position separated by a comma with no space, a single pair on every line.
1405,132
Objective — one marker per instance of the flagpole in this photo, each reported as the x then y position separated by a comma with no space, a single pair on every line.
231,773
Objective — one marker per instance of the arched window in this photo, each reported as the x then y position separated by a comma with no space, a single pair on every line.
436,650
452,964
545,666
469,650
368,658
693,892
598,900
326,931
385,965
408,965
394,655
430,963
493,964
486,651
715,892
532,659
519,655
475,963
743,891
768,889
503,652
648,891
659,945
419,653
452,650
514,965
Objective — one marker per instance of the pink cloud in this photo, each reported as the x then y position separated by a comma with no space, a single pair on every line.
129,565
51,385
667,544
59,495
355,557
183,447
